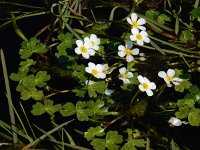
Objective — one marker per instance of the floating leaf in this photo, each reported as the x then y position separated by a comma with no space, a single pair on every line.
32,46
82,111
186,36
163,18
97,107
92,132
112,139
24,65
152,14
39,108
99,144
18,76
32,93
41,78
195,12
185,84
131,145
183,112
194,118
97,87
69,109
67,42
79,72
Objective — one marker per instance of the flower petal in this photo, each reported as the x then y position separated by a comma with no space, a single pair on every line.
141,21
135,51
77,50
162,74
152,85
129,44
146,39
79,43
141,88
134,17
140,79
122,70
149,92
129,58
121,53
121,47
170,72
129,20
140,42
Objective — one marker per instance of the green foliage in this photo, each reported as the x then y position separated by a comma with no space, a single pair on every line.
110,142
97,87
186,36
67,42
79,72
48,106
132,144
30,47
94,132
196,12
155,15
32,93
185,84
84,110
188,107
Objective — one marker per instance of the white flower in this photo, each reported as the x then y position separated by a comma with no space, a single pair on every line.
136,24
84,48
94,41
124,75
175,121
139,37
169,77
108,92
96,70
146,85
126,51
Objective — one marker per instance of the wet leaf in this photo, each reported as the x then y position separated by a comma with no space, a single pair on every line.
163,18
69,109
194,118
67,41
32,46
131,145
183,112
186,36
185,84
82,112
97,107
41,78
97,87
92,132
112,139
48,106
32,93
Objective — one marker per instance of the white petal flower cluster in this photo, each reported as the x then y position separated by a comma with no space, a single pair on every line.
175,121
97,71
138,31
88,46
125,75
126,51
169,77
146,86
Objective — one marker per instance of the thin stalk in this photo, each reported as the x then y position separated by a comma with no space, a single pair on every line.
71,146
21,5
9,97
27,120
45,135
172,52
24,16
136,94
64,91
173,45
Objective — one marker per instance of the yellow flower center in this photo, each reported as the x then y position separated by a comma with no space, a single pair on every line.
135,24
95,72
124,75
83,49
139,37
93,43
145,86
170,79
128,51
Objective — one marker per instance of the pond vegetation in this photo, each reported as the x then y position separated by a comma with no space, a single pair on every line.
96,74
